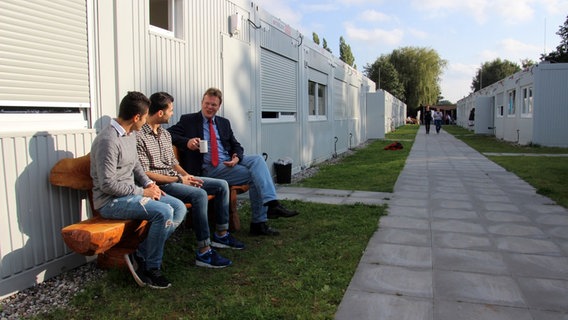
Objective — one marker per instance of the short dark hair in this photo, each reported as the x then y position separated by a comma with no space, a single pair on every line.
159,101
214,92
133,103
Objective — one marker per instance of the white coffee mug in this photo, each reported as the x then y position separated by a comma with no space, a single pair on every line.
203,146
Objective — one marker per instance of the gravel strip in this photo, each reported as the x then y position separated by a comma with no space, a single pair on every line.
58,291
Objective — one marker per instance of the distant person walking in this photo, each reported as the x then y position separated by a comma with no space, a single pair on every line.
427,119
438,120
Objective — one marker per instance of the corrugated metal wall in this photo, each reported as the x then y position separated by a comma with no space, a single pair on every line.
33,212
551,105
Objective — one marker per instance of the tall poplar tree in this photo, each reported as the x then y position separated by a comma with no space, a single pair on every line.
345,53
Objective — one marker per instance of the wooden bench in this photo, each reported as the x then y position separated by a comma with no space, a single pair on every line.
110,239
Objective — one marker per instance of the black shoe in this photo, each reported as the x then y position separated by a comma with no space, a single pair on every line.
155,279
136,266
279,211
262,229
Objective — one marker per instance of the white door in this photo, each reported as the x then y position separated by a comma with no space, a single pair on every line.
484,115
237,91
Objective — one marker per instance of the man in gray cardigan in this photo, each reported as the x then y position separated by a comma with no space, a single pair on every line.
122,190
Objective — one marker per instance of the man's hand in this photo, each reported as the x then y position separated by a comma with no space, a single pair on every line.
153,191
192,181
193,144
234,161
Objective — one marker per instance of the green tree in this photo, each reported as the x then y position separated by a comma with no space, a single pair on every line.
316,38
345,53
493,71
525,63
419,71
325,46
561,53
385,76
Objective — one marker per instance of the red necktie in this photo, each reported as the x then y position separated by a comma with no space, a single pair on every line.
213,142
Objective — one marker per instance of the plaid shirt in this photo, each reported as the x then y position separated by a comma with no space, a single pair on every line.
155,151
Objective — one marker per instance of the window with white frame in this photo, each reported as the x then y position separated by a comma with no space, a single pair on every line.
44,86
165,17
527,108
500,111
279,94
511,103
317,99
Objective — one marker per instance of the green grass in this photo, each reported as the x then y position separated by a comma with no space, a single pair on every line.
547,174
485,143
369,169
301,274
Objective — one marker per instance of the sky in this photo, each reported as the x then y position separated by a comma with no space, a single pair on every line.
465,33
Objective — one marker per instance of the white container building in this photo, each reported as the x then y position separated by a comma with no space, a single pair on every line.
528,107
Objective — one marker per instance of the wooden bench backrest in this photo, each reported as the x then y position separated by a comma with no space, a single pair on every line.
74,173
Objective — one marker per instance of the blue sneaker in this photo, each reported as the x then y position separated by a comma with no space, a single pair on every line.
211,259
227,241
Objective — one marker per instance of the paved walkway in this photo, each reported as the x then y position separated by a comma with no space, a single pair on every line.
464,239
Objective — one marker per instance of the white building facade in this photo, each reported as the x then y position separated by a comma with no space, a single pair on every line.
528,107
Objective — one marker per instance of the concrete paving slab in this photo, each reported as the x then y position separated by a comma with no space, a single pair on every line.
530,246
499,216
478,288
451,310
457,226
538,266
398,255
545,294
455,214
404,222
461,241
409,211
489,262
393,280
513,229
401,236
373,306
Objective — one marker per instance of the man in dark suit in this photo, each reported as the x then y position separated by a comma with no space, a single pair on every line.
225,159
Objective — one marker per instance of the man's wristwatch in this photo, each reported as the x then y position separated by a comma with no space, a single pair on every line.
180,178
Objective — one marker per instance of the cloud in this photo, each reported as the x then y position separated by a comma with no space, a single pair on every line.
419,34
388,37
456,81
283,11
518,13
484,11
517,50
374,16
327,7
359,2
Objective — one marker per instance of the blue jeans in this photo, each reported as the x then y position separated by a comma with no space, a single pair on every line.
199,203
251,170
164,217
438,124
